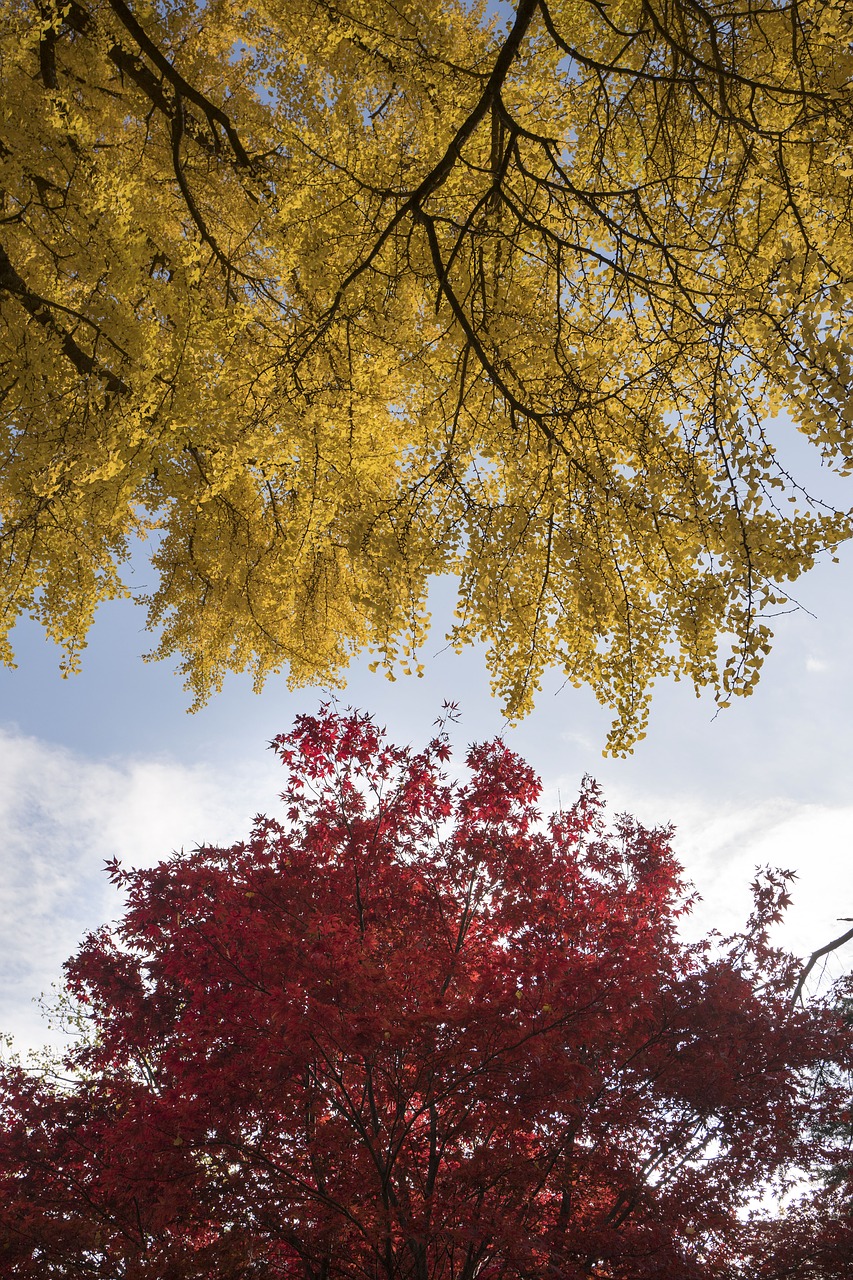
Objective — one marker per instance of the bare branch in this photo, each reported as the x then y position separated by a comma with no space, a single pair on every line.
813,959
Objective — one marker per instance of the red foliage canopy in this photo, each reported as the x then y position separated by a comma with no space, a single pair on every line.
411,1031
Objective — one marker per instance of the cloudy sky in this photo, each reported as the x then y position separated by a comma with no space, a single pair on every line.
109,763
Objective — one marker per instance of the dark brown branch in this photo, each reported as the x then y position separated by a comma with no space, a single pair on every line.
189,199
40,310
47,59
813,959
131,65
516,405
439,173
179,84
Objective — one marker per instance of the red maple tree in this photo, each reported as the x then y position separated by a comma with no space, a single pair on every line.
412,1031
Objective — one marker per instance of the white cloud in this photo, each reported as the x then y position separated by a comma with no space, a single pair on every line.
62,816
722,851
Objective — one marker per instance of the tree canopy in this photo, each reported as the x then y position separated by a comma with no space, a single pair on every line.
410,1031
329,297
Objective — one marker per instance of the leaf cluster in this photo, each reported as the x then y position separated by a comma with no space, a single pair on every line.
329,297
411,1031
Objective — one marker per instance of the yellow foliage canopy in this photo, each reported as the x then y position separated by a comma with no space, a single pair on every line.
337,295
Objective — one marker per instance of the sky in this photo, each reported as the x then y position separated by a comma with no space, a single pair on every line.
109,763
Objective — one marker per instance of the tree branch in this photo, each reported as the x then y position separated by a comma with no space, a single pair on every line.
40,310
813,959
177,81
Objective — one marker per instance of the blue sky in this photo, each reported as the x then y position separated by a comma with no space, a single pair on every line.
110,763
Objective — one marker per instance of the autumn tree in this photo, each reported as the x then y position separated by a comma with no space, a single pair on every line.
410,1031
329,297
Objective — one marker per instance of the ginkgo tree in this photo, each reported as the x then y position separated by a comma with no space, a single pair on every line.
329,297
411,1032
